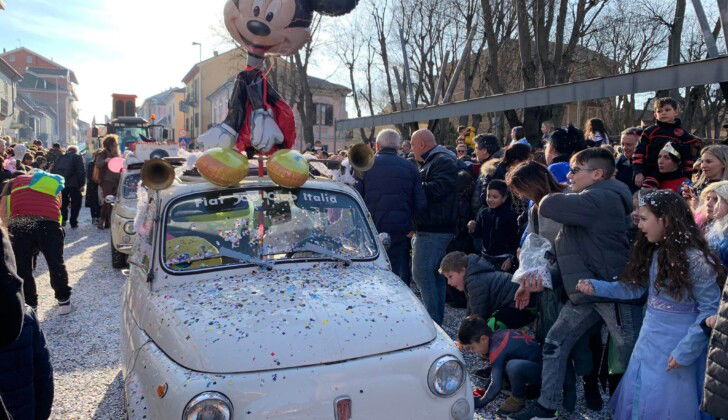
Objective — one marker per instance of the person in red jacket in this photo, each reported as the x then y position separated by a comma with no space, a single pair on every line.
33,206
669,164
655,137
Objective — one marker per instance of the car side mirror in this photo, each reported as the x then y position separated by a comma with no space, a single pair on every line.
385,239
95,132
165,134
110,199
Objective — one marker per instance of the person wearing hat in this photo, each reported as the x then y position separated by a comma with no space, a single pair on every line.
669,164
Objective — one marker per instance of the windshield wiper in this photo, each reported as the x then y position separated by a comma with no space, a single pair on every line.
317,249
229,253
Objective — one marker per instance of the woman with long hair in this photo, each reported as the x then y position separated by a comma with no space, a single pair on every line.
109,181
713,164
672,263
596,133
715,197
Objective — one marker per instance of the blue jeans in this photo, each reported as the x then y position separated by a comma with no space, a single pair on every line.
427,251
399,258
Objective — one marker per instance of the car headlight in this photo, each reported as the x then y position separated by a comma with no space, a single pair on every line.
209,406
446,376
129,227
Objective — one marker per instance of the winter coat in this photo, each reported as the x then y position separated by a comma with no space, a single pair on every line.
52,156
438,175
26,374
72,168
498,229
12,304
625,173
654,139
715,397
393,194
109,180
487,289
92,188
593,241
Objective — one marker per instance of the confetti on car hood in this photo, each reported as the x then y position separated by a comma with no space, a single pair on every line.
285,318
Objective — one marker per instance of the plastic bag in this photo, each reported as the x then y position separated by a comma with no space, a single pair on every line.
533,261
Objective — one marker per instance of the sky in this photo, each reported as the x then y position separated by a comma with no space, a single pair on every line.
139,47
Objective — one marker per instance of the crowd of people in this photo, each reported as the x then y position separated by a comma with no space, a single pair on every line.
39,186
577,256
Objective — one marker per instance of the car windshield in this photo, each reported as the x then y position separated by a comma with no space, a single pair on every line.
130,135
264,226
129,188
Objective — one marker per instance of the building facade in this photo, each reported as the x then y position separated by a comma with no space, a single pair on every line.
329,100
166,107
201,81
9,79
49,83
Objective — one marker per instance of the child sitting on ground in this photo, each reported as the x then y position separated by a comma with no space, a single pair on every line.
497,226
509,352
489,293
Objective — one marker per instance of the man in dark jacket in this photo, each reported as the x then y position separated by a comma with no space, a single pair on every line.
435,225
26,374
490,293
54,154
393,194
625,170
12,304
71,167
593,243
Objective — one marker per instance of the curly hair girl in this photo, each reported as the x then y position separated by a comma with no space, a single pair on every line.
680,235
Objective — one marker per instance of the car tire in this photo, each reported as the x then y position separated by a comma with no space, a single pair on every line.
118,259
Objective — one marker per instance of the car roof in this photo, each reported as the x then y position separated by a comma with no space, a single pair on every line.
181,188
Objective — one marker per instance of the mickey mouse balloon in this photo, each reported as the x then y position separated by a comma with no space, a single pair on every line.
259,119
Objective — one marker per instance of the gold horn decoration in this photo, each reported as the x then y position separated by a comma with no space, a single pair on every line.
157,174
361,157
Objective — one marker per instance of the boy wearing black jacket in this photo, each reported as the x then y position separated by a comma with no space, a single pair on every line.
655,137
490,293
497,226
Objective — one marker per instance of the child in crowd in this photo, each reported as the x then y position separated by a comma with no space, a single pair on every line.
509,352
489,293
596,133
655,137
497,226
672,263
715,197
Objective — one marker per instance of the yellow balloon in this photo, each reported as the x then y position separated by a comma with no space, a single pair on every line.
288,168
223,166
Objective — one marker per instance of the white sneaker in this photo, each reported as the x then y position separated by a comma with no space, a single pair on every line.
65,307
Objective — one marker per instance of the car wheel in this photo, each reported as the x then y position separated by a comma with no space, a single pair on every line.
118,259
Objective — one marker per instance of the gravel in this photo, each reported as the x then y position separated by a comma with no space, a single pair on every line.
84,345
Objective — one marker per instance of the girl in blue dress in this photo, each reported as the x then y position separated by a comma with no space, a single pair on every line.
673,264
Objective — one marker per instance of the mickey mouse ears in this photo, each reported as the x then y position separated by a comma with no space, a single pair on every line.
333,7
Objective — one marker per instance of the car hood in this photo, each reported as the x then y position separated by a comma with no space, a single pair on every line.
286,318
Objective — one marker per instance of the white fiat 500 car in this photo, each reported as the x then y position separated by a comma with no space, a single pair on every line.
122,217
258,302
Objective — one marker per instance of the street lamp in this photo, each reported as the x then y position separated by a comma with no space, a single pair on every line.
199,89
